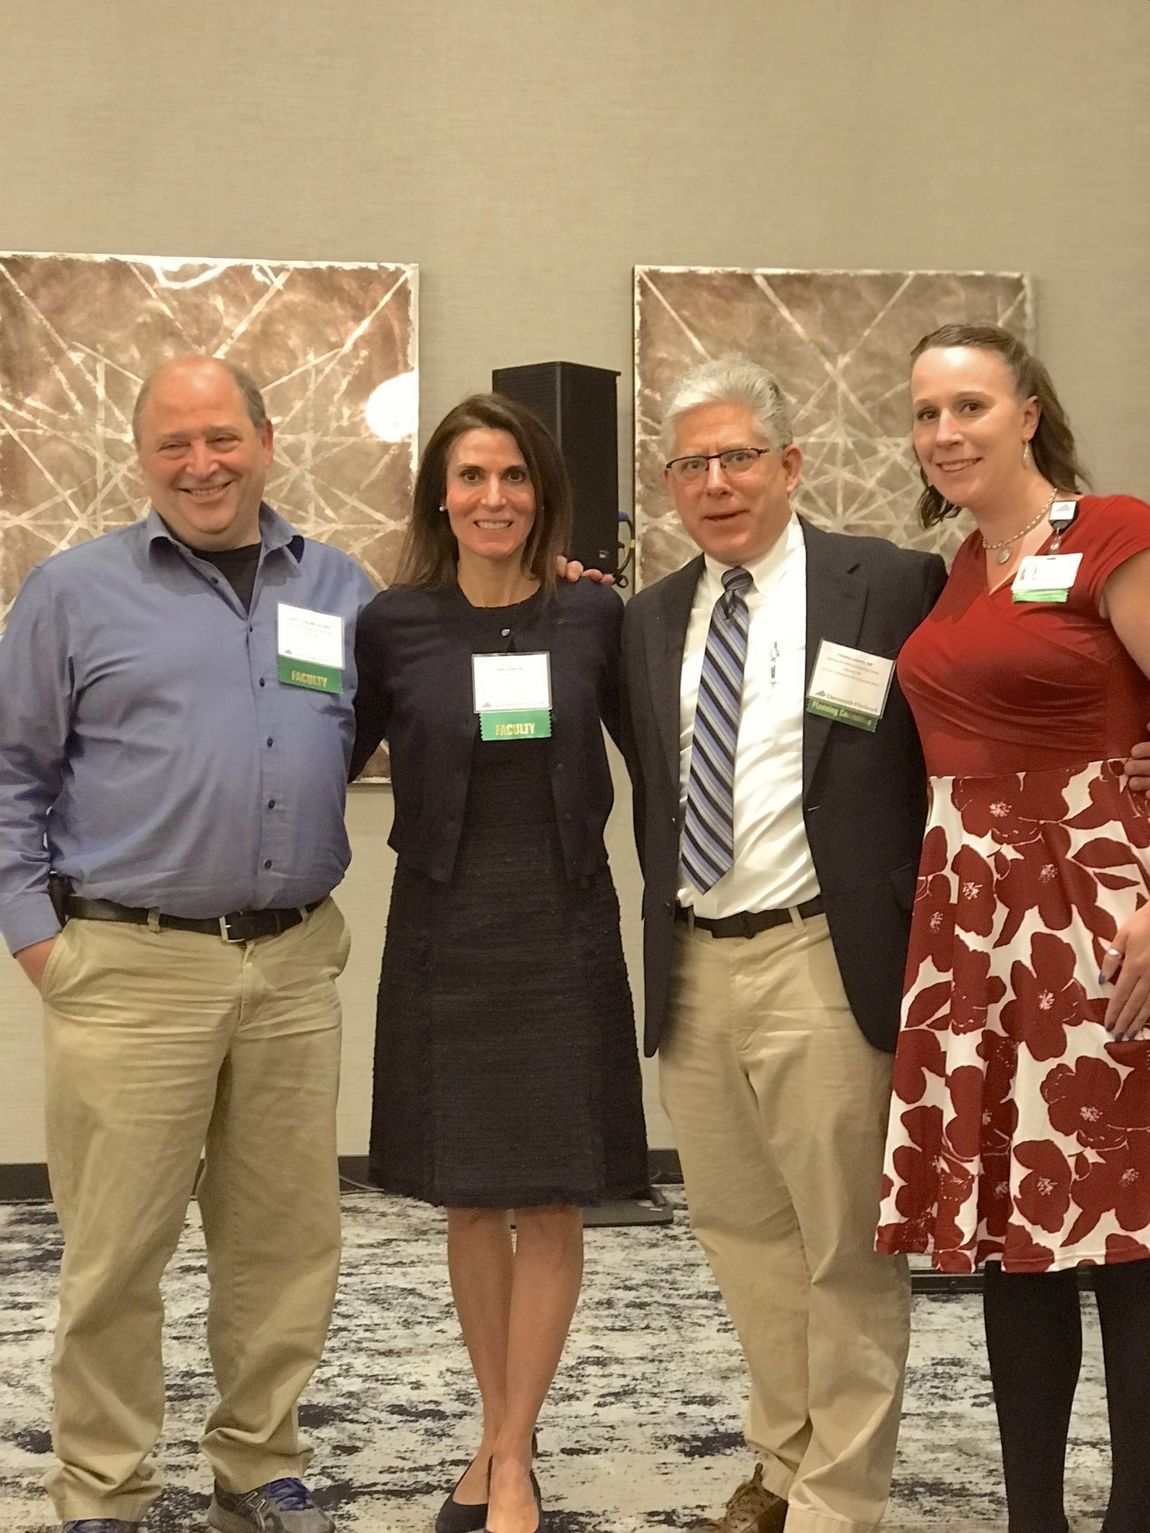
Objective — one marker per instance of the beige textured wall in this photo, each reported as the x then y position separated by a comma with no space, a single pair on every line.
527,153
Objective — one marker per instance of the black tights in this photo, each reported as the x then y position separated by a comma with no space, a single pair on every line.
1034,1341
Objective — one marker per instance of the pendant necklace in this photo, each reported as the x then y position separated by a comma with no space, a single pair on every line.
1004,552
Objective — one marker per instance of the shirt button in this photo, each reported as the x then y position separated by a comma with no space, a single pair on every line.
271,742
271,803
268,863
505,633
263,683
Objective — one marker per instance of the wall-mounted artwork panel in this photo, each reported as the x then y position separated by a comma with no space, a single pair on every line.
838,342
334,348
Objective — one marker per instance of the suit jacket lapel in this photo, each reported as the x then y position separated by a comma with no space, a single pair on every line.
665,638
836,598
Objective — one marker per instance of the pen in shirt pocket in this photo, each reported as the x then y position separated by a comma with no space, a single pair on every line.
773,666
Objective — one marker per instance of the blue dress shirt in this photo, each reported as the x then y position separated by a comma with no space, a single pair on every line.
148,750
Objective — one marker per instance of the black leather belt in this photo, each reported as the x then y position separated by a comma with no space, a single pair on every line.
240,926
748,923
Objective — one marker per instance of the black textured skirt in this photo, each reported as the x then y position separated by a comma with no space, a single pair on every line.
506,1070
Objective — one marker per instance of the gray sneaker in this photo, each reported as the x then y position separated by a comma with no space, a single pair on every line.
100,1525
281,1506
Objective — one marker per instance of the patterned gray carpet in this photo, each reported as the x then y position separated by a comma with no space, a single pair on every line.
642,1429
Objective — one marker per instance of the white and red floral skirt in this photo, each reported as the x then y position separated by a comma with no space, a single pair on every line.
1019,1132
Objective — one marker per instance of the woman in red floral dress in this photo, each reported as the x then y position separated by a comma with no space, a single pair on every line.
1020,1127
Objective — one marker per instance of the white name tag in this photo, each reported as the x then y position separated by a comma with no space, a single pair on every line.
1045,577
310,646
511,681
512,695
849,685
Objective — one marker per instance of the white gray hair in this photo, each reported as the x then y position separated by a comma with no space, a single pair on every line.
730,380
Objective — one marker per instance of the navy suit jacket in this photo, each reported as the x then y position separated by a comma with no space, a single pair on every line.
864,795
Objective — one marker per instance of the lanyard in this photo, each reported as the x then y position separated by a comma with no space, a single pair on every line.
1062,515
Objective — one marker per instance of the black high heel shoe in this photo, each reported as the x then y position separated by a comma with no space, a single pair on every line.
457,1516
535,1491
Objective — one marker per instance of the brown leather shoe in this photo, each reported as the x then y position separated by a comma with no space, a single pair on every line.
752,1509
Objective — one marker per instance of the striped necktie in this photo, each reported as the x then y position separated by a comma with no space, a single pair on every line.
708,846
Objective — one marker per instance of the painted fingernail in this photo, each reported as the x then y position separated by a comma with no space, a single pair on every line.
1101,977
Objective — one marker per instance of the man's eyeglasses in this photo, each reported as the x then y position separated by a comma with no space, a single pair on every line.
734,462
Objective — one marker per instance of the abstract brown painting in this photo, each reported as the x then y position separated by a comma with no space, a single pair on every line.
334,348
838,342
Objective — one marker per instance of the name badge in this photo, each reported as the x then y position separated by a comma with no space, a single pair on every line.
849,686
512,695
310,646
1045,577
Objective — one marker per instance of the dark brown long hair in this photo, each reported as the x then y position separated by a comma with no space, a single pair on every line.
430,554
1055,455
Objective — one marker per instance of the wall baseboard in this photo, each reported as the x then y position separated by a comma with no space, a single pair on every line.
664,1168
23,1183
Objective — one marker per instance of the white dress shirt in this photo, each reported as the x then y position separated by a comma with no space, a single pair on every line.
772,866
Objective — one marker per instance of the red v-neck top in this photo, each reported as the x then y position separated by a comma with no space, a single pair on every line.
1003,686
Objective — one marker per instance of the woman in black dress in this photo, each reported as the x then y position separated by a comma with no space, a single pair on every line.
506,1072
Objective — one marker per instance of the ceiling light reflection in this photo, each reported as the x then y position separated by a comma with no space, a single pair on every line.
392,408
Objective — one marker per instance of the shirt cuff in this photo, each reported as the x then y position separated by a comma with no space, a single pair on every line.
31,920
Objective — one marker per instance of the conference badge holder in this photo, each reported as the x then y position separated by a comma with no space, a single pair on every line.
1049,577
310,649
849,686
512,696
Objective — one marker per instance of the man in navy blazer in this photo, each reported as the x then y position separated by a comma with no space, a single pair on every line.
772,994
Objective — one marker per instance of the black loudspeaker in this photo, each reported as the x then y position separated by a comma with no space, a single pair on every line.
578,406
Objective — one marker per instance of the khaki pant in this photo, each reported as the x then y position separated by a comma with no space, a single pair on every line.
161,1045
779,1106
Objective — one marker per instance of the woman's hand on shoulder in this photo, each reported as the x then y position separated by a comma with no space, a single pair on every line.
1126,965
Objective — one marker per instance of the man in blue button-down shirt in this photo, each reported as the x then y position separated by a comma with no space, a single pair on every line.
188,804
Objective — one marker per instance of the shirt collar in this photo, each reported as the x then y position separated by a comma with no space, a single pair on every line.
275,532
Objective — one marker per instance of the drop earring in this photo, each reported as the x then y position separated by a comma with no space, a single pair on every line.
1026,459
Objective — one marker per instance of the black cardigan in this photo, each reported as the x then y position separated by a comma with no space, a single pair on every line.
413,653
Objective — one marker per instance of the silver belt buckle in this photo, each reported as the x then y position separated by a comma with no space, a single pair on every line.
225,932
